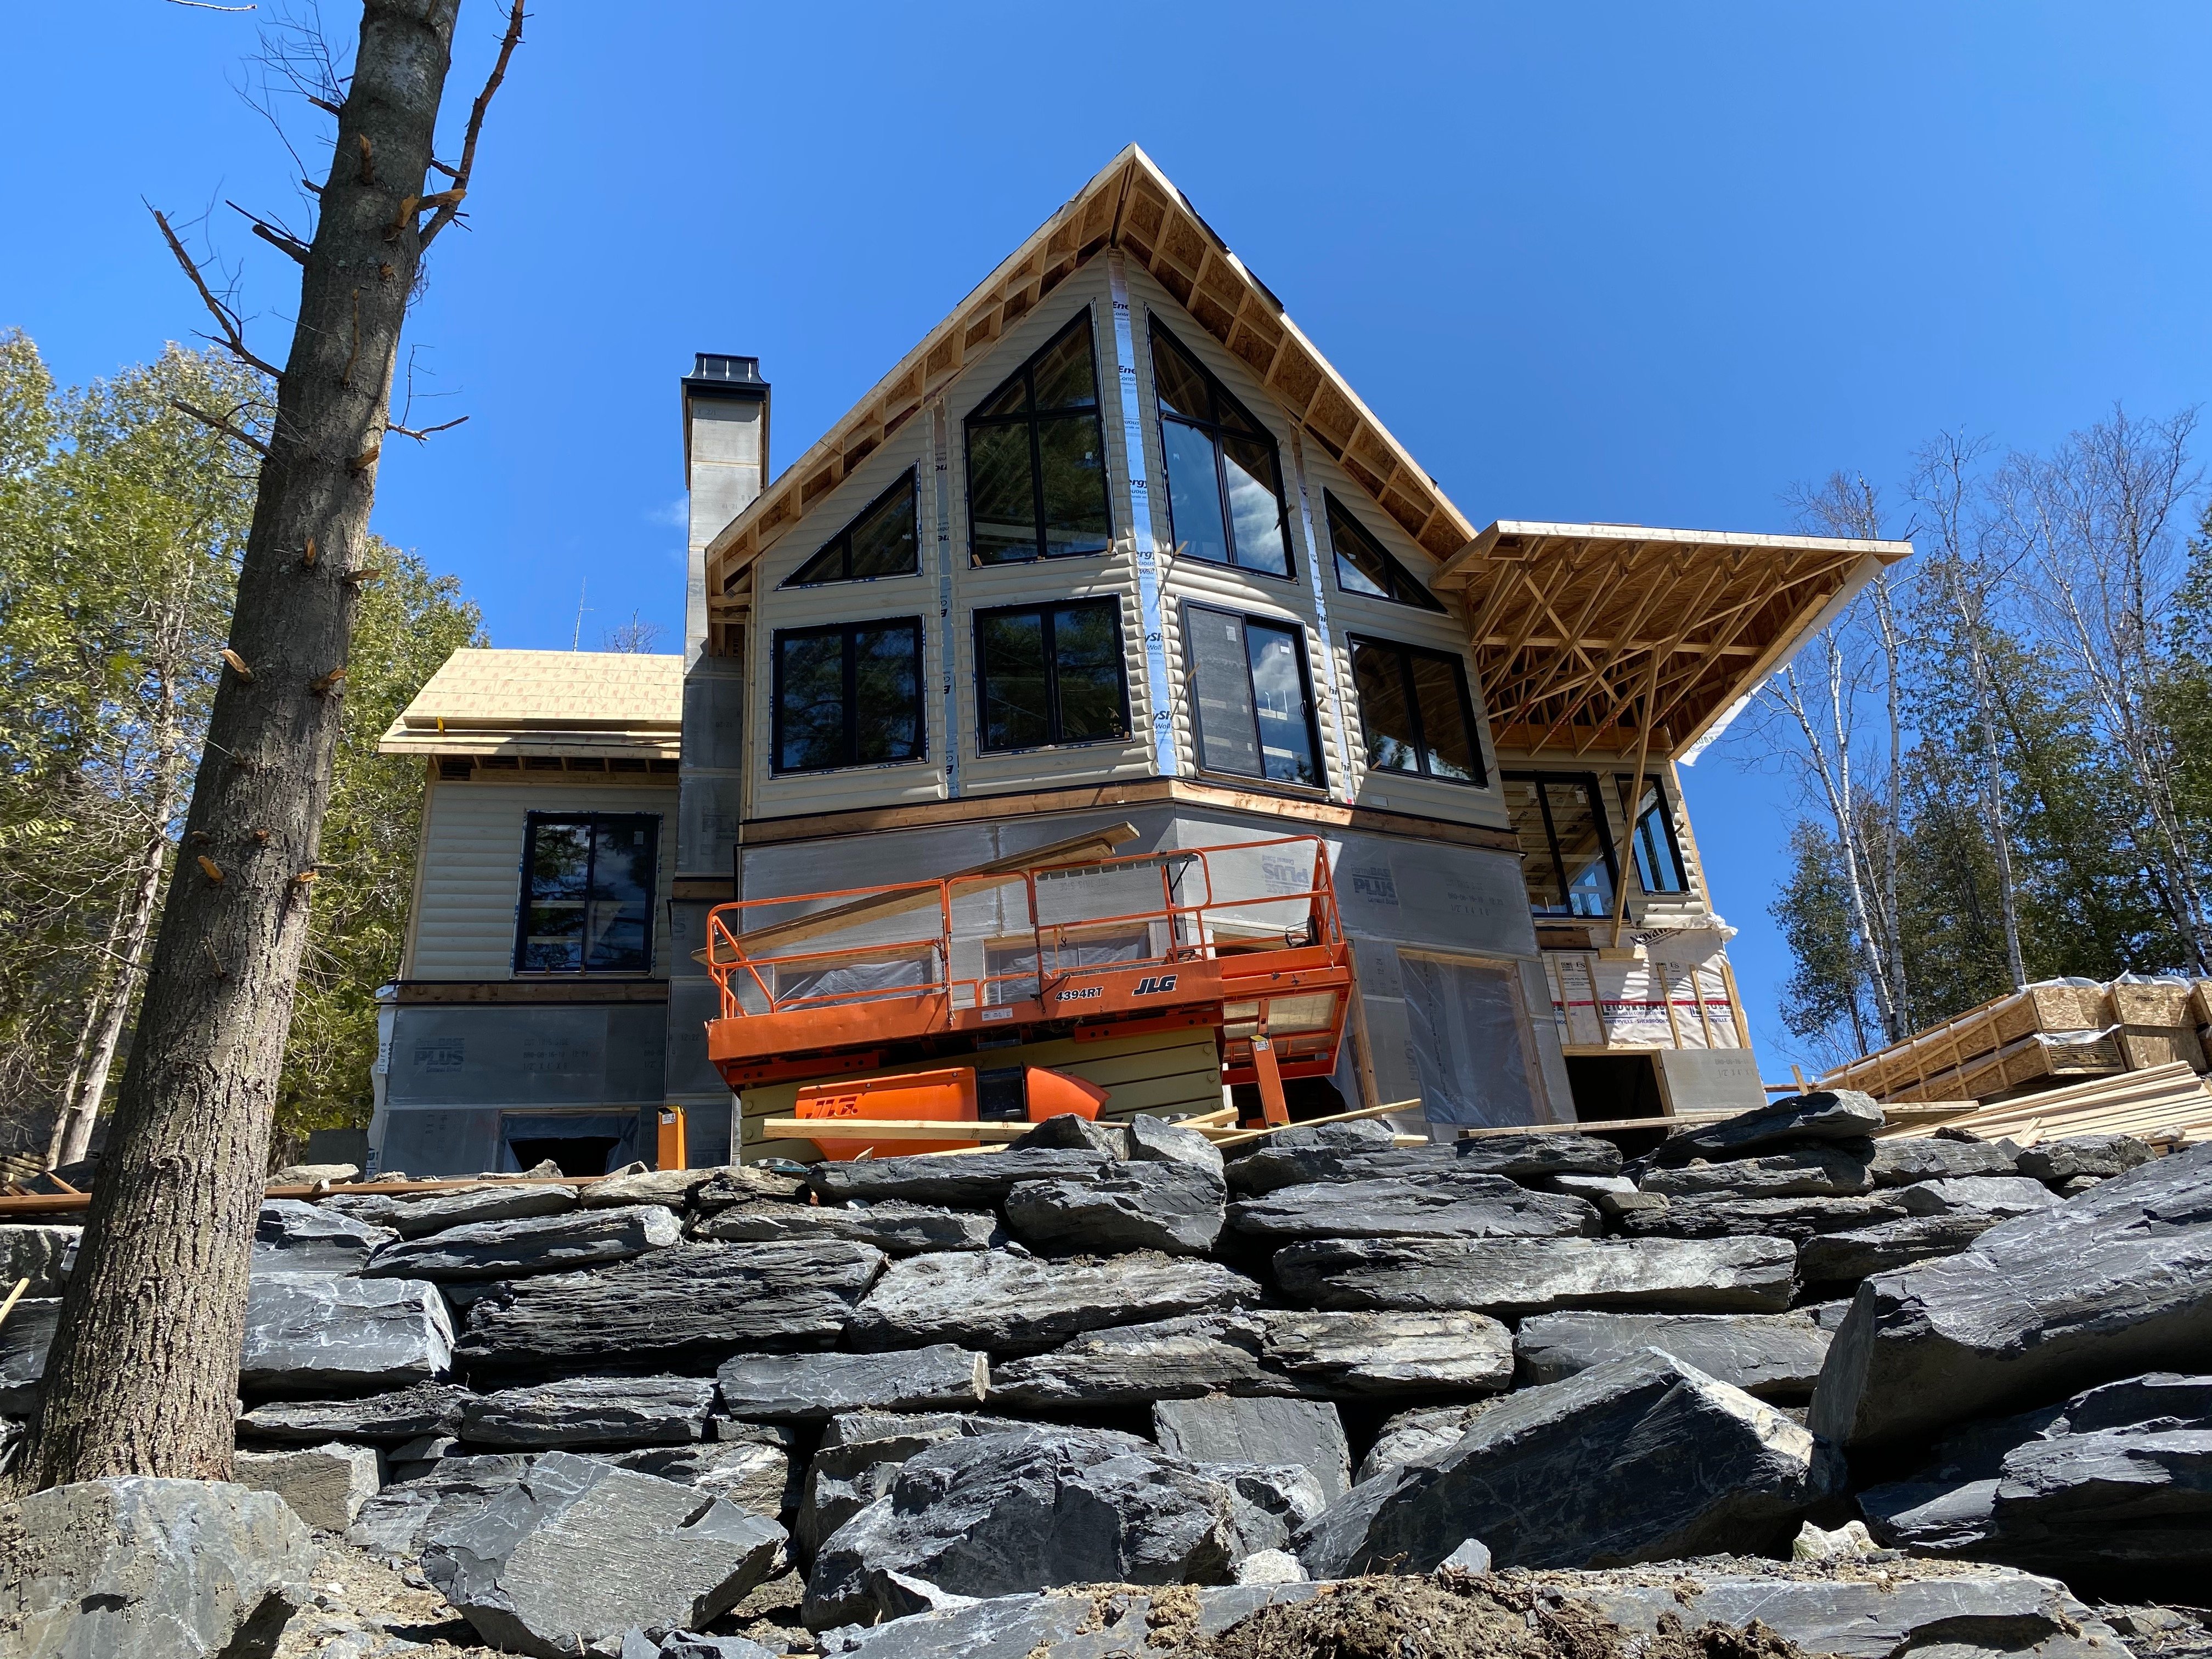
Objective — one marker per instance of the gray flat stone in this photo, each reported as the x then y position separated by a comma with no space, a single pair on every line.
1073,1625
978,1182
1071,1132
392,1524
695,1302
1832,1169
1848,1257
591,1411
414,1218
139,1568
532,1244
1515,1276
1928,1157
1416,1434
672,1188
319,1333
1691,1466
1008,1305
1827,1115
861,1456
754,1475
1383,1353
382,1419
1722,1216
296,1237
25,1336
815,1385
1135,1365
891,1225
42,1254
2000,1196
1155,1140
1449,1204
1305,1434
1536,1154
742,1184
1770,1356
578,1550
2074,1156
2114,1282
1362,1150
325,1485
1173,1207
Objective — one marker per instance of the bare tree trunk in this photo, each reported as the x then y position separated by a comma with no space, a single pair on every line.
143,1368
115,1011
1893,834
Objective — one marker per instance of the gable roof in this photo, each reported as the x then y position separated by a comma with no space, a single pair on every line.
1130,204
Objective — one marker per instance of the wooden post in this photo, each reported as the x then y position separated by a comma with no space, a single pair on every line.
1636,795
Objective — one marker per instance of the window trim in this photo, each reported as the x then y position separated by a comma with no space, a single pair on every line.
1405,652
1332,508
530,821
911,481
1258,780
1047,607
850,664
1155,328
969,422
1663,809
1600,816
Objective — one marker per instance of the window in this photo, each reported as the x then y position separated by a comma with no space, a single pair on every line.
588,881
1254,706
1566,853
1225,489
1036,459
881,542
1418,716
1651,843
1464,1022
849,695
1363,566
1050,674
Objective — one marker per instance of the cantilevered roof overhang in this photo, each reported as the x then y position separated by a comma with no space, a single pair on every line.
1586,635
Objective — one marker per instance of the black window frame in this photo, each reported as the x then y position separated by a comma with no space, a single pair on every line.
1333,511
1405,652
1599,816
531,822
1158,331
1029,417
1663,809
1288,625
910,481
1047,608
850,761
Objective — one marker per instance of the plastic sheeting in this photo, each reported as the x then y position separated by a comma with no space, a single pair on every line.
1463,1026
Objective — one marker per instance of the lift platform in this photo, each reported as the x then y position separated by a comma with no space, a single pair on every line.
1243,939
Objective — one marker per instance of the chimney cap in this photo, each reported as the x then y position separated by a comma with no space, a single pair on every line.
723,374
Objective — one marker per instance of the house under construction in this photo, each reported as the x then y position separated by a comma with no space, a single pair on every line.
1112,564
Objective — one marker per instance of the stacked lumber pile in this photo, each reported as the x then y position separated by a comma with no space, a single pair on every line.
2046,1036
2164,1105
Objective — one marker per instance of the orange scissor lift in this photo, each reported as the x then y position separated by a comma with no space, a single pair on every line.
1241,938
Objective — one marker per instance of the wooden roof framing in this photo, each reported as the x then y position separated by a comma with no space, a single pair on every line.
1131,204
1584,634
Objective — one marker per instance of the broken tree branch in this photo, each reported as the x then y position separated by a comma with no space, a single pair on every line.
459,175
272,232
233,337
420,433
220,425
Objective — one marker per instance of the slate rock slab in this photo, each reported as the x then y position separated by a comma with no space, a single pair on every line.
890,1225
25,1336
592,1410
1998,1196
1417,1433
1351,1354
1532,1155
1305,1434
327,1332
1075,1626
1827,1114
694,1303
2099,1155
861,1453
42,1254
1770,1356
150,1569
325,1485
1515,1276
741,1183
2106,1285
1450,1203
382,1419
1155,1140
1829,1170
294,1237
532,1244
414,1218
1723,1215
981,1183
797,1387
670,1188
392,1524
1071,1132
579,1551
1135,1365
1636,1459
1930,1158
1008,1305
1849,1257
754,1475
1007,1512
1172,1207
1363,1150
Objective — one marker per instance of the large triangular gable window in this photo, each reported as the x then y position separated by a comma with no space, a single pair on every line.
880,542
1363,566
1036,459
1225,485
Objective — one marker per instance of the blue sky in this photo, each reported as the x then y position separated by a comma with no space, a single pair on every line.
1598,262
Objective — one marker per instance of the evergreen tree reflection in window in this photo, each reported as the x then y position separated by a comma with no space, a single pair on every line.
1658,859
1225,486
1050,674
1254,705
588,903
1566,851
848,694
879,542
1036,459
1415,711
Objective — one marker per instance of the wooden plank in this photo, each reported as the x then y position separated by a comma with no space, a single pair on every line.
875,1128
